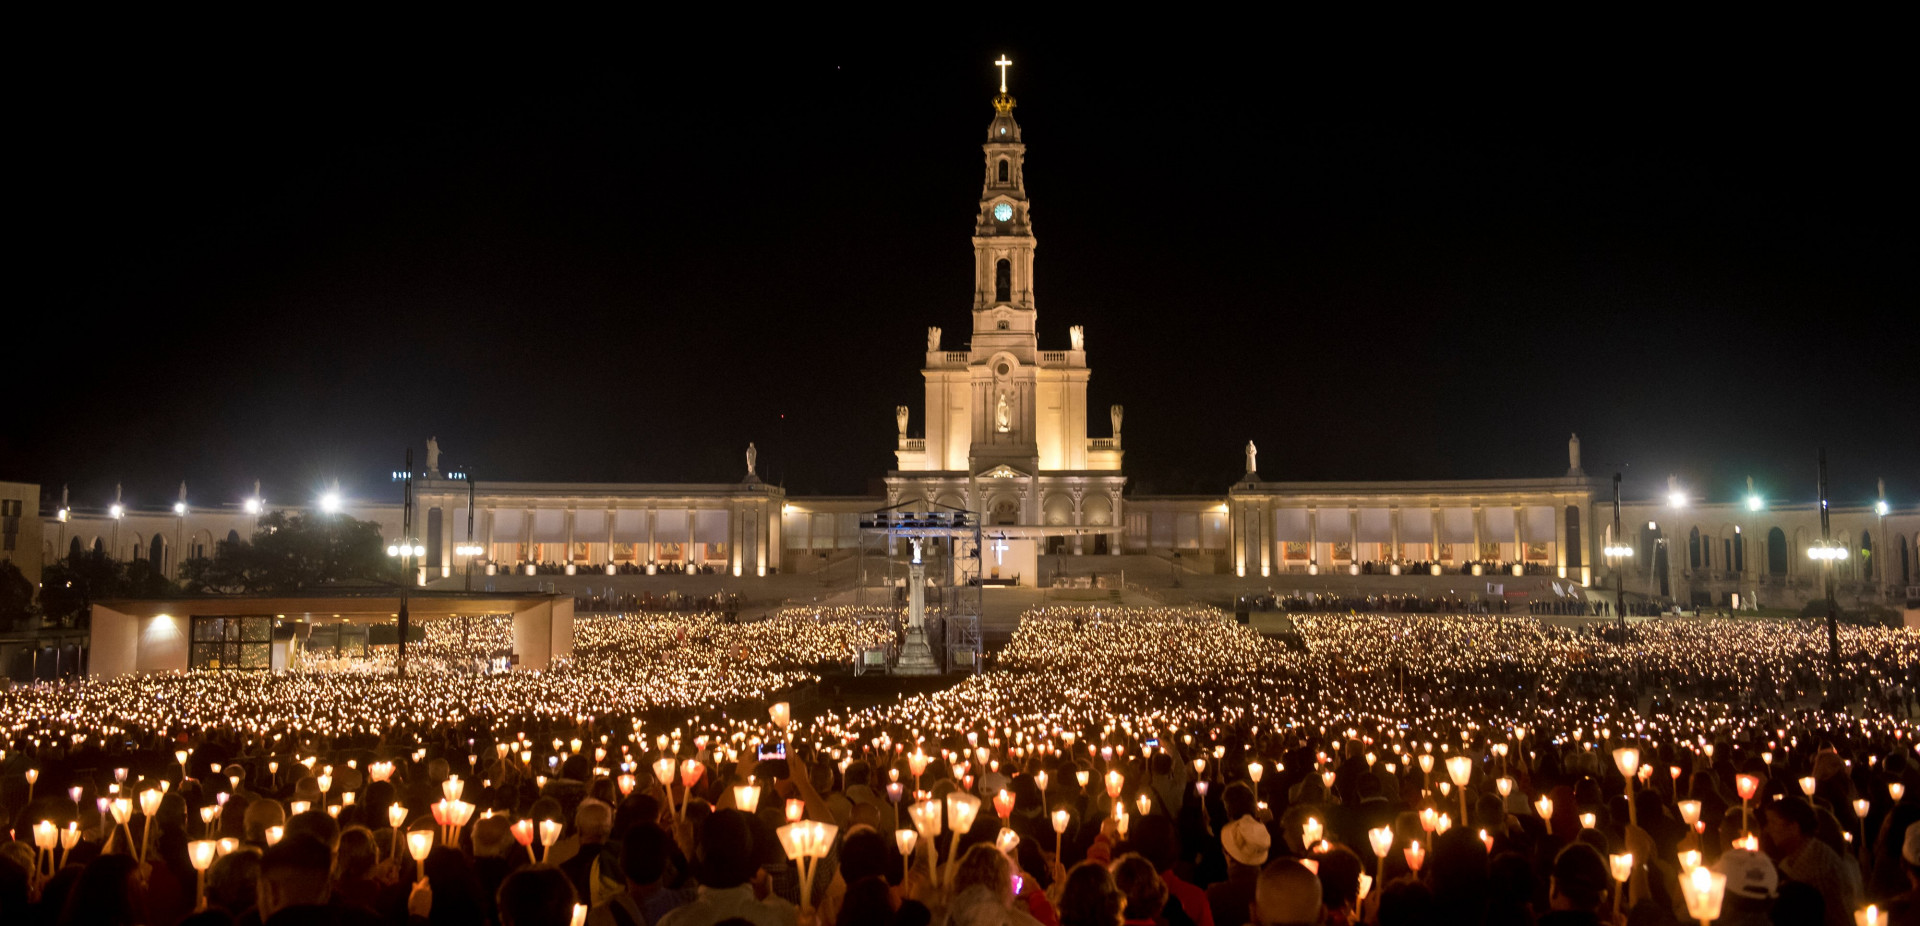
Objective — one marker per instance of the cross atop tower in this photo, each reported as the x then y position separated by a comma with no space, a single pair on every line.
1003,64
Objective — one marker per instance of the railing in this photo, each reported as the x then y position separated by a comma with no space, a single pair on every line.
1103,443
916,444
956,356
1053,356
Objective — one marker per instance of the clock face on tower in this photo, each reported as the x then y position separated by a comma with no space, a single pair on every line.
1002,212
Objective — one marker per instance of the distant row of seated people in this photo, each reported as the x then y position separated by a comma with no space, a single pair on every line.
1376,604
1425,567
610,601
552,568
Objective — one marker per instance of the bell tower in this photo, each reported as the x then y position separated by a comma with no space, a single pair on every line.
1003,312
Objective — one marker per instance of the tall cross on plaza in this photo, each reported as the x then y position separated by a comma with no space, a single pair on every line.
999,548
1003,64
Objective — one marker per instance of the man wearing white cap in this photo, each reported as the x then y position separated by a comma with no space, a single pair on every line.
1245,842
1752,885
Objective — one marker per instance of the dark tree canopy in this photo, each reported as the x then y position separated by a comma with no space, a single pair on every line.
290,552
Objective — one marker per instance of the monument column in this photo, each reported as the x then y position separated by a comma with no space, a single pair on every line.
653,551
916,655
1119,540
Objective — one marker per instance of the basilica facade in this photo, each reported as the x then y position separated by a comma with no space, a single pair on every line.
1005,422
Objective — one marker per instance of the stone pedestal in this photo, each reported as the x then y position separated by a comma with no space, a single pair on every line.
916,655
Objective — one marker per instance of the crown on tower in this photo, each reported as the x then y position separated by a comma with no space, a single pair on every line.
1003,104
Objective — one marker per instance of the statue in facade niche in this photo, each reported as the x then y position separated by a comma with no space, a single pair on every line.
933,339
1003,415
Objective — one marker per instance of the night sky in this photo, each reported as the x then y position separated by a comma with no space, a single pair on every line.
578,264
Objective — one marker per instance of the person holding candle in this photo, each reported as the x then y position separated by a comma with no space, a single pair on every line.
1789,828
645,856
1580,889
725,863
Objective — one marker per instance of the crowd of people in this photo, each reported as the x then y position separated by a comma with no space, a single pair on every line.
613,601
1118,765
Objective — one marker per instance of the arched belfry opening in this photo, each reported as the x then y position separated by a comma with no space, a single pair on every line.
1004,170
1003,281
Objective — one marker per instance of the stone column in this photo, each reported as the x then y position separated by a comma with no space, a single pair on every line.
686,558
1520,537
1558,552
1393,531
1259,530
1433,549
734,514
568,568
1313,541
1079,519
1119,540
528,534
1274,543
1353,539
609,567
489,529
653,550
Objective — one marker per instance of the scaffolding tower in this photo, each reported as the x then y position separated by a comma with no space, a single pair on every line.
932,560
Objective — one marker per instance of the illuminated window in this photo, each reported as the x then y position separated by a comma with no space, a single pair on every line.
231,643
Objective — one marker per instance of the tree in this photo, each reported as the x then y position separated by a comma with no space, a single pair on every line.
69,587
290,552
16,595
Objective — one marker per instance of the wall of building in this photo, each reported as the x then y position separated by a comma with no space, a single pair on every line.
21,529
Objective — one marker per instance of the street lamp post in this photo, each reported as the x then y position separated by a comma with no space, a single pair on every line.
1617,552
1829,556
406,549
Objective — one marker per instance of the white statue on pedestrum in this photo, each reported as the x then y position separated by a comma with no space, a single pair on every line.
433,456
1573,456
900,420
1117,414
753,458
1078,334
933,339
1252,452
